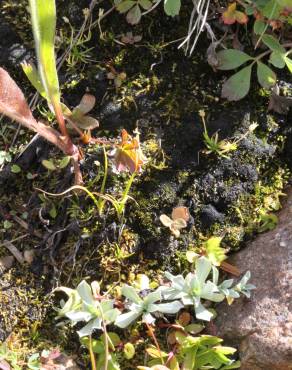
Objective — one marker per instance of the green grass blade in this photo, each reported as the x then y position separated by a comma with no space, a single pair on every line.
43,18
34,78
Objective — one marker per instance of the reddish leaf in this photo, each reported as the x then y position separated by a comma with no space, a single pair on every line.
12,101
4,365
231,15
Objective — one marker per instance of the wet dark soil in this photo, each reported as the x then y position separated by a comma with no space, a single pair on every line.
162,94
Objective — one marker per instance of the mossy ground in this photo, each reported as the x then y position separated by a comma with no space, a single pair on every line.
162,94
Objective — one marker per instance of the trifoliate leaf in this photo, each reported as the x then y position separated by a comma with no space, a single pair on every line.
231,59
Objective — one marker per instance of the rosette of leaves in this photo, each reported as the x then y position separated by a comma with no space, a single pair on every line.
140,303
194,288
83,305
238,85
133,8
205,352
242,287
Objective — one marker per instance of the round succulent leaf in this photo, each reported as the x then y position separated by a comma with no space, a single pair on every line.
129,351
266,77
165,220
86,104
237,86
178,224
231,59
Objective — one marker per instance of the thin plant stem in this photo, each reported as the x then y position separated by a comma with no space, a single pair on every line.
155,341
91,353
127,189
106,344
101,201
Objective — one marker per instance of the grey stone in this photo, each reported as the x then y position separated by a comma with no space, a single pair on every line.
261,327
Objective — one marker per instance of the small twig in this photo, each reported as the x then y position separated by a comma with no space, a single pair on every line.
155,341
15,240
13,250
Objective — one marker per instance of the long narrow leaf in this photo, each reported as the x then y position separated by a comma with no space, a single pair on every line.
43,17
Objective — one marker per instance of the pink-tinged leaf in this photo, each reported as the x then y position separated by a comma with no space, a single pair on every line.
12,101
14,105
4,365
134,15
86,104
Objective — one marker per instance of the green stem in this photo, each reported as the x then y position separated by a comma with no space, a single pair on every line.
106,344
92,357
101,201
127,189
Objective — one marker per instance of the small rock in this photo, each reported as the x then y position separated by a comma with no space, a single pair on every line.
261,326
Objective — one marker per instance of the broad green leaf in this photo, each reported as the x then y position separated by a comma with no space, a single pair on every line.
237,86
134,15
85,292
65,161
43,18
145,4
203,268
130,293
271,9
266,77
126,5
277,59
125,319
89,328
168,308
272,43
172,7
49,165
285,3
259,27
231,59
34,78
288,62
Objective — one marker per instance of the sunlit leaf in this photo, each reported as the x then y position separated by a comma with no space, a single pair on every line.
288,62
266,77
12,101
43,18
32,74
237,86
277,59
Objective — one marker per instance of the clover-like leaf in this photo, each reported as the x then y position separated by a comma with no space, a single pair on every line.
272,43
266,77
231,59
134,15
172,7
237,86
